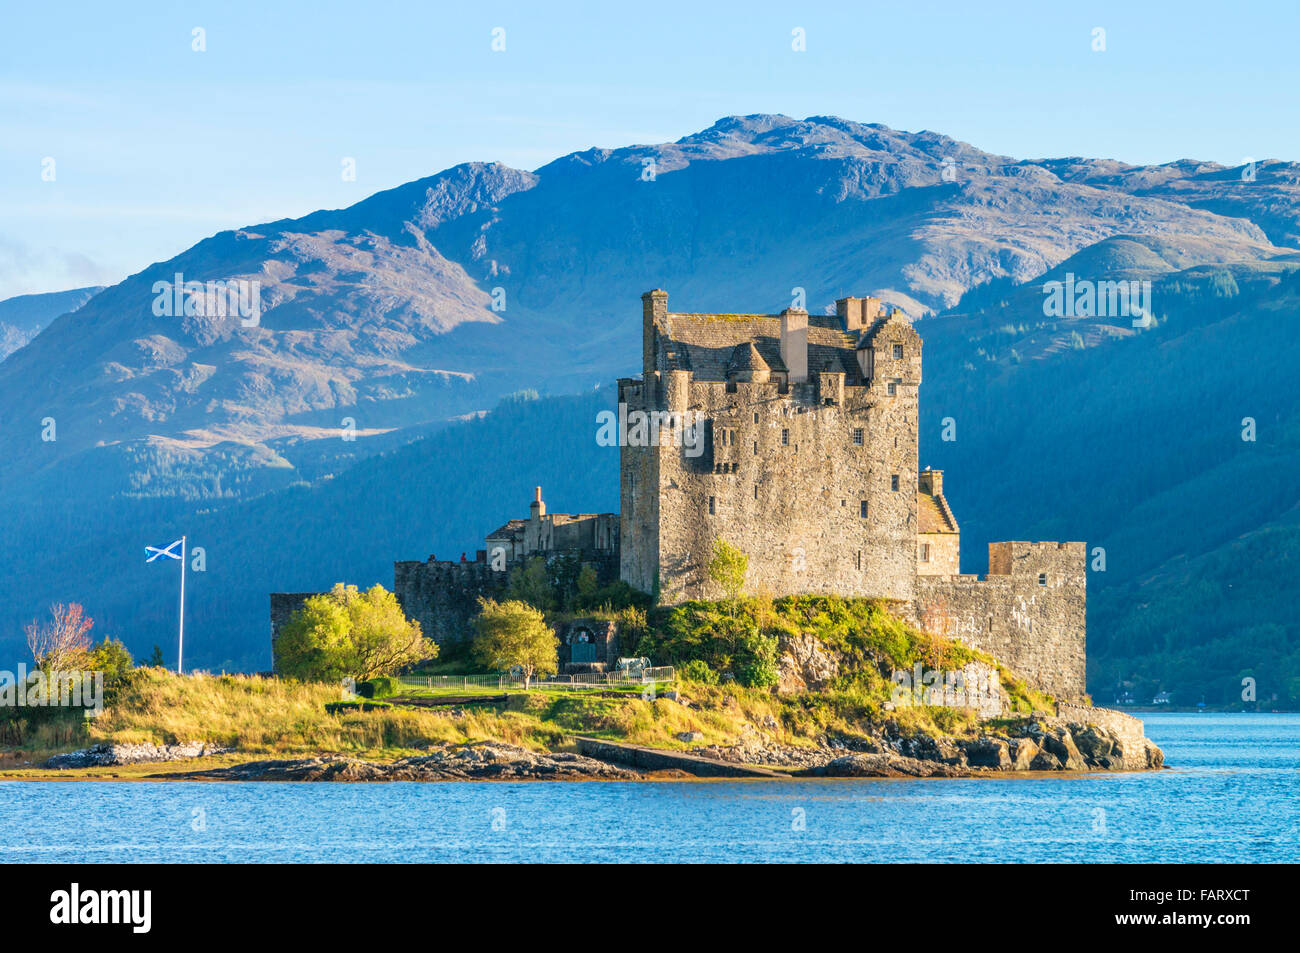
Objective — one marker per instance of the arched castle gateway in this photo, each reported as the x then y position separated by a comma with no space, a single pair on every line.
804,455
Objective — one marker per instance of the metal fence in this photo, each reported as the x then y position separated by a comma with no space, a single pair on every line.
646,676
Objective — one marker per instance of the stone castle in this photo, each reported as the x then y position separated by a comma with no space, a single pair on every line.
795,438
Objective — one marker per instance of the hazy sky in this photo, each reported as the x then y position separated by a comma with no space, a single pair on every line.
156,146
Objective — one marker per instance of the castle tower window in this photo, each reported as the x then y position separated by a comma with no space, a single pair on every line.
857,436
898,352
755,448
755,418
713,509
859,559
785,438
893,482
862,509
893,386
755,491
1042,578
925,552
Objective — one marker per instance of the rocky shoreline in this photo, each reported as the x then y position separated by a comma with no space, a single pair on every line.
1106,741
1076,739
485,761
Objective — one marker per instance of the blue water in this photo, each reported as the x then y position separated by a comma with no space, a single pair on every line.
1230,797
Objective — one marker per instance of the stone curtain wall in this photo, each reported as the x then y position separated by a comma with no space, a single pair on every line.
1036,628
1122,725
443,596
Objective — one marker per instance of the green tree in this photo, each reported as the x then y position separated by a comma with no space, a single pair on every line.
346,632
727,568
531,583
113,659
588,582
514,634
156,659
755,663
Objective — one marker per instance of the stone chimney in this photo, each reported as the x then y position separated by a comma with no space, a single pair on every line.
794,344
537,509
930,482
654,305
858,313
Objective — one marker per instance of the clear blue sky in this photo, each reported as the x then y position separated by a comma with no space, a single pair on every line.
157,146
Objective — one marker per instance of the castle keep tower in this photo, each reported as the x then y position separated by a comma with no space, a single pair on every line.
794,437
808,460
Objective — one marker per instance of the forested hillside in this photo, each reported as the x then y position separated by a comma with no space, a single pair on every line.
438,495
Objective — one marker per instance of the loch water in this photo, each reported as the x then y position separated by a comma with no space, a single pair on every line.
1232,794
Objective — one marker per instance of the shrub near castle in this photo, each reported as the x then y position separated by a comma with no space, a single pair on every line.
346,632
513,634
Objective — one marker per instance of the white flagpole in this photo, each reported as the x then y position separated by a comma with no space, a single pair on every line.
180,652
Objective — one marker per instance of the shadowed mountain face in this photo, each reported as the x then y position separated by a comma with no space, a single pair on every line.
22,318
430,301
433,299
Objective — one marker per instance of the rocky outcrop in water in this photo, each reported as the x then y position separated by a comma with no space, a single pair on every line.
1078,739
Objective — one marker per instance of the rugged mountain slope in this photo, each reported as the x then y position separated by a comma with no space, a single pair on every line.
1266,192
433,299
22,318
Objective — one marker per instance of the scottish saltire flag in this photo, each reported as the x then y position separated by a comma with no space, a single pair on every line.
170,552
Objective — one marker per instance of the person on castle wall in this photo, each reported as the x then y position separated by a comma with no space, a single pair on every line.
462,558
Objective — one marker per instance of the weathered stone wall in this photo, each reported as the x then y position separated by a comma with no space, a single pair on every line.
944,552
1121,724
600,634
787,484
443,596
1029,612
785,473
639,495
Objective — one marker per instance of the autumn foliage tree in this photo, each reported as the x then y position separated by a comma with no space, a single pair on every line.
64,642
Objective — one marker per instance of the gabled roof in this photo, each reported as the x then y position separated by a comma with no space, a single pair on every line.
510,529
933,514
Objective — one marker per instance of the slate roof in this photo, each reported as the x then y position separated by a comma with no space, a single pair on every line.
746,359
508,530
706,344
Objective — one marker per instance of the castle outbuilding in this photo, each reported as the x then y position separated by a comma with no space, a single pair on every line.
794,437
